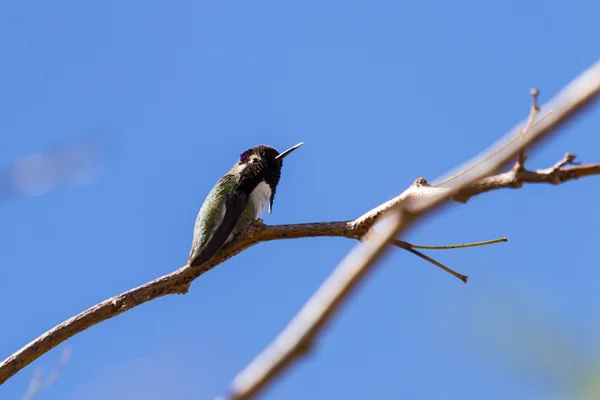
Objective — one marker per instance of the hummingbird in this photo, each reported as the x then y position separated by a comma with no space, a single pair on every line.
237,199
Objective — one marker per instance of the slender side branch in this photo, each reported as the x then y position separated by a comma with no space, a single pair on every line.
402,244
533,112
521,160
573,99
459,246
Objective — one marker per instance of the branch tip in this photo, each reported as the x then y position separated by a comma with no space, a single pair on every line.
568,159
534,98
421,182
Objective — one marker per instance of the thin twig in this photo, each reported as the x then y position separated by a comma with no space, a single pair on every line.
568,159
178,282
301,332
533,112
460,246
499,150
410,248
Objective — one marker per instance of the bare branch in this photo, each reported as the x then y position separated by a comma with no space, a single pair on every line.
571,100
515,178
301,332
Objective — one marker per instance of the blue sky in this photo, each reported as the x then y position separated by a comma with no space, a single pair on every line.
381,93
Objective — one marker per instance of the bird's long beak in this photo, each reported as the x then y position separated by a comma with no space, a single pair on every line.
281,156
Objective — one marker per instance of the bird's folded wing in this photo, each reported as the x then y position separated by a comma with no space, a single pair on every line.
234,207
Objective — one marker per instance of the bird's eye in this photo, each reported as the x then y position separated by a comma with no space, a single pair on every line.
254,160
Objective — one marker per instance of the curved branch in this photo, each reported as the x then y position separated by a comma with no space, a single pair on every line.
178,282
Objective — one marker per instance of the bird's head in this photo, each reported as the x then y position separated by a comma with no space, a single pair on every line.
263,163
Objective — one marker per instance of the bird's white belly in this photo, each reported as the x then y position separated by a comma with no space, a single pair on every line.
260,197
